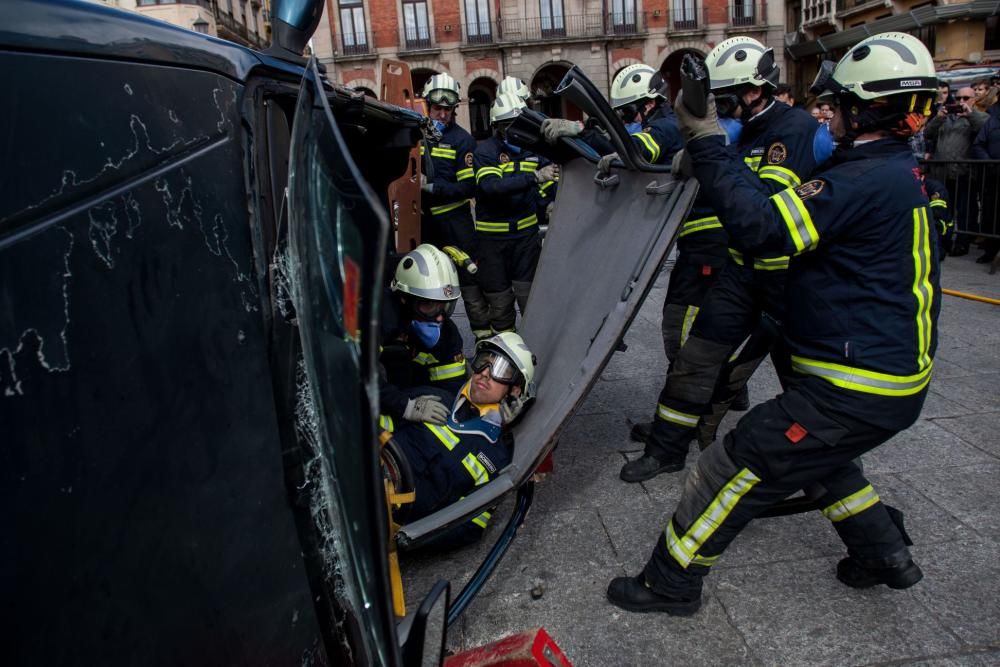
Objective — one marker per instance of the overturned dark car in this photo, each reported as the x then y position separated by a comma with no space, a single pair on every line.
193,243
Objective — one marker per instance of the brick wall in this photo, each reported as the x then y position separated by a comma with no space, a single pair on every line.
716,11
472,64
446,13
385,23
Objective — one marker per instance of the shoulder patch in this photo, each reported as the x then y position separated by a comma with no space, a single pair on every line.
504,158
809,189
777,153
468,159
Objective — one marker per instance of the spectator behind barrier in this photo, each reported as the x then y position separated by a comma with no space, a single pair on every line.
987,147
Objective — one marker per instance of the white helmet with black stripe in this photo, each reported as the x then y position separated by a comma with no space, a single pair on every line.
427,273
889,63
514,86
506,106
742,60
443,90
631,84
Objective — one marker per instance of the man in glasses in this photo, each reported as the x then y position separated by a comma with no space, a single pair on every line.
448,461
449,185
952,131
863,299
422,363
718,292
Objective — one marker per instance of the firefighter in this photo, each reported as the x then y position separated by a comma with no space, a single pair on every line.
511,85
508,181
422,364
705,318
450,460
638,95
863,300
449,184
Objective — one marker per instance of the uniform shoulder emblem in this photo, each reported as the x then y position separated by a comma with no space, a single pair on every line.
468,159
504,158
777,153
809,189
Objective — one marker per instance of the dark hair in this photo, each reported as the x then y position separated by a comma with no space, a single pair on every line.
783,89
985,81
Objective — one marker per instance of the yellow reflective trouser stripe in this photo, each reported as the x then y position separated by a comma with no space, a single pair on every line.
446,371
482,519
385,423
524,223
443,152
922,289
854,504
425,359
689,315
939,203
752,162
787,177
736,255
487,171
859,379
699,225
771,263
797,219
676,417
463,174
650,144
445,208
685,549
444,434
476,469
482,226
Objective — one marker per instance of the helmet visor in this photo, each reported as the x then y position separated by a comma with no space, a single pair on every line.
824,85
426,309
501,368
443,98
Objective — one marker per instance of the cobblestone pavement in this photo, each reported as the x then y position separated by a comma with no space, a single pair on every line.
773,598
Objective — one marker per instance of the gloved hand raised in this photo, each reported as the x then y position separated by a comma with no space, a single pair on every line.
691,126
554,128
428,409
510,408
604,164
681,166
549,172
425,185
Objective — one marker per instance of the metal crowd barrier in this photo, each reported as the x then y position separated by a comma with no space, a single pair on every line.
973,193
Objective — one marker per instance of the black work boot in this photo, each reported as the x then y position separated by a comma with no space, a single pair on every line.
633,594
742,400
648,466
640,432
855,574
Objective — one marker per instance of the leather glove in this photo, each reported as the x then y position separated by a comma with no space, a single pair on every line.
428,409
691,126
604,164
681,166
554,128
549,172
510,408
425,185
550,208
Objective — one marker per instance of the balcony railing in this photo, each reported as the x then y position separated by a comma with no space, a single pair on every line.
747,13
355,43
415,39
233,30
554,27
848,5
686,15
478,32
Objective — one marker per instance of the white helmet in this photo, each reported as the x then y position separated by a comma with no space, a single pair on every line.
427,273
442,89
740,60
513,348
881,65
514,86
631,85
506,107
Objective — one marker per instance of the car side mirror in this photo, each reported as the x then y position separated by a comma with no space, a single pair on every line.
293,24
422,635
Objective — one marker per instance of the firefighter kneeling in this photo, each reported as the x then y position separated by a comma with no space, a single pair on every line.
449,461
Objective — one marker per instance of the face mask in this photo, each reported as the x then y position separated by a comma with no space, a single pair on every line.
732,127
632,128
441,126
429,333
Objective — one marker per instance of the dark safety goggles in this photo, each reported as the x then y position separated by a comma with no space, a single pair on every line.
443,98
426,309
501,368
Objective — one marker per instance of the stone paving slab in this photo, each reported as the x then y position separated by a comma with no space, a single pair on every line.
773,598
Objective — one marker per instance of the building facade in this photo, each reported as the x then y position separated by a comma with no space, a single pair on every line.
245,22
479,42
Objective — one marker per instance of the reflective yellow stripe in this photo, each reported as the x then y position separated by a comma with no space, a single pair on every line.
707,561
482,519
862,380
476,469
736,255
488,171
445,208
797,219
685,549
689,315
771,263
386,424
675,416
464,174
447,371
545,186
939,203
421,149
752,162
650,144
436,151
444,434
786,177
699,225
425,359
483,226
852,505
527,166
922,289
524,223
